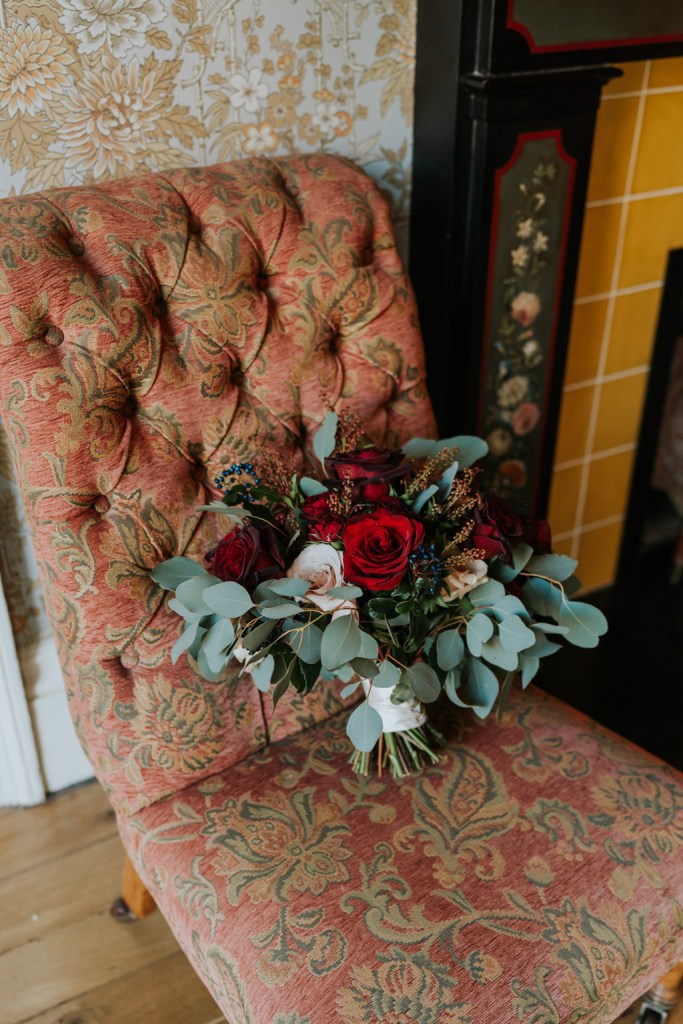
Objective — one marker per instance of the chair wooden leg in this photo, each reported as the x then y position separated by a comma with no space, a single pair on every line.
135,901
662,998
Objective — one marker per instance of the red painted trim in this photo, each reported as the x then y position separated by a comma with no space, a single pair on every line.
591,44
555,134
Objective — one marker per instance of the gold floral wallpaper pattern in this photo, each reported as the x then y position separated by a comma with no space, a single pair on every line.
93,89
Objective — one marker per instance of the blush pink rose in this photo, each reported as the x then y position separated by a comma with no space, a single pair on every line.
526,417
525,308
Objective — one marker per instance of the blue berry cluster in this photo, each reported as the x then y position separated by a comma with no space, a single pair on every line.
232,476
427,568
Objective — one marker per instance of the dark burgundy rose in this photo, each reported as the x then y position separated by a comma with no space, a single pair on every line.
377,548
491,542
371,470
327,528
247,556
315,507
497,527
537,534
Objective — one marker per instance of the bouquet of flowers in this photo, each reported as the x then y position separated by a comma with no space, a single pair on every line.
390,574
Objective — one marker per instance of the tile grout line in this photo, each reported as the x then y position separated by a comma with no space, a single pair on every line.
611,303
635,197
647,286
659,90
606,453
606,378
588,527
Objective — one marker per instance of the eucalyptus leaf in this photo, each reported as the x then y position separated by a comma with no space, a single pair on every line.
364,727
529,666
366,668
542,597
479,630
509,605
195,646
204,667
486,594
174,571
323,442
446,480
306,642
548,627
451,684
235,511
514,635
450,649
191,592
558,567
262,673
520,557
423,681
494,652
368,646
289,587
470,449
388,675
310,487
216,642
347,592
179,608
228,599
480,687
280,610
257,636
184,641
341,642
584,622
424,497
349,689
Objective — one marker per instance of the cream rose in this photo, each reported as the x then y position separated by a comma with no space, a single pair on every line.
323,567
461,581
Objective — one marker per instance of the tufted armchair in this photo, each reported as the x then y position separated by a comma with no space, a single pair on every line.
151,331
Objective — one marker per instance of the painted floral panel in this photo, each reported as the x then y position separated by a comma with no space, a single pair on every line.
532,194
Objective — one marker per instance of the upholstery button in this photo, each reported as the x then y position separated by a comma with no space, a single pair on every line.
160,306
262,282
101,504
237,376
53,336
129,406
75,245
194,225
129,658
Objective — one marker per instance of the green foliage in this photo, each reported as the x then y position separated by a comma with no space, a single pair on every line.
364,727
171,573
323,442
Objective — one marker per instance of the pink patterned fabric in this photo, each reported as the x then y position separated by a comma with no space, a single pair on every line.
534,875
152,330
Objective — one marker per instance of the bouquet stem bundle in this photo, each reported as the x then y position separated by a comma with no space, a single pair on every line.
403,752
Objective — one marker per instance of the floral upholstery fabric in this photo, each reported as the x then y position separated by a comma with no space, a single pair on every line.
534,875
151,331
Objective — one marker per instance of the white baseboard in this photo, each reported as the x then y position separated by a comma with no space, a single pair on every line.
62,761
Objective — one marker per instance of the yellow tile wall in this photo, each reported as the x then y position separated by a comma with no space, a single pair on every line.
634,215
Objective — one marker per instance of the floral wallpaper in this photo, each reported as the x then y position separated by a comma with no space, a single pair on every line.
92,89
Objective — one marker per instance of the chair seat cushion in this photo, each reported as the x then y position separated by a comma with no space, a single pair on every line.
535,874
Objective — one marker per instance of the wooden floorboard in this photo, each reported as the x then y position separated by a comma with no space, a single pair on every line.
63,959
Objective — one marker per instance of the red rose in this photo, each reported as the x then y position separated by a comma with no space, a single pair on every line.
371,469
377,547
316,506
247,556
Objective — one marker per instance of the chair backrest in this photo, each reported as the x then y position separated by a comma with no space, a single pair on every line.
151,331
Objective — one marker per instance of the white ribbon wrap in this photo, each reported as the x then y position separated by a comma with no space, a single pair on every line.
395,717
